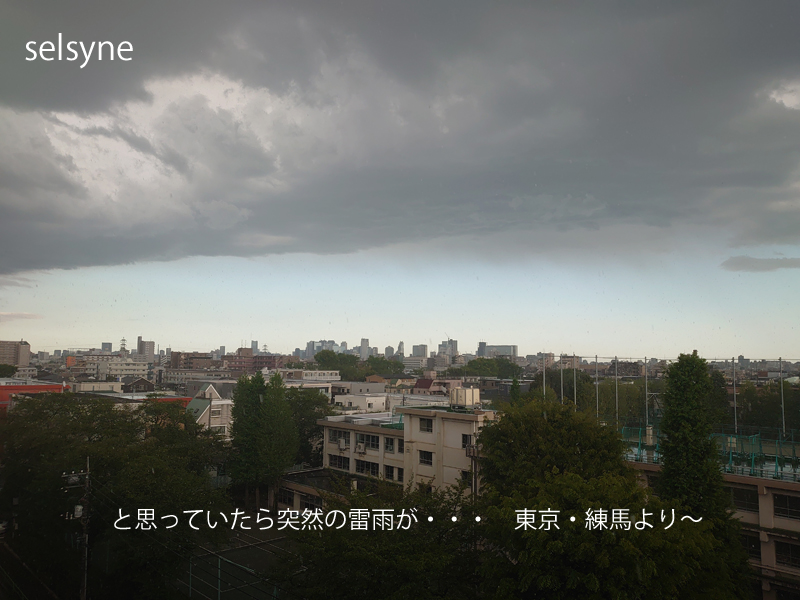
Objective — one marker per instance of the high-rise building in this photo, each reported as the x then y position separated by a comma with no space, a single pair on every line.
448,348
145,349
254,346
401,349
106,347
481,350
56,353
343,347
364,351
388,352
17,354
420,351
491,351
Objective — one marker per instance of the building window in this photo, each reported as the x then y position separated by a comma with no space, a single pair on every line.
286,496
220,429
745,499
334,435
466,440
310,502
425,457
787,506
371,442
466,476
426,425
787,554
388,472
339,462
400,474
401,446
367,468
216,412
388,444
753,545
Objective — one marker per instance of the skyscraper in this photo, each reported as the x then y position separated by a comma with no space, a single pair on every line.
420,351
401,349
254,347
448,348
145,349
364,351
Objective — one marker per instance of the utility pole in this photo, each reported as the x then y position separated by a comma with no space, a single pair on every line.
596,387
544,375
783,410
82,512
616,387
561,368
735,416
575,381
646,399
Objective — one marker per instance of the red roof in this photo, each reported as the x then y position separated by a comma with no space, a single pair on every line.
423,384
6,391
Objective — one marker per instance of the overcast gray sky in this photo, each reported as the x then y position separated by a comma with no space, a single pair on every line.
539,142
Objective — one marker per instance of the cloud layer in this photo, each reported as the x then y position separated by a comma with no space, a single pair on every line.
255,129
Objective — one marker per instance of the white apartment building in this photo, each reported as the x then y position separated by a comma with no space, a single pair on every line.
117,368
428,445
211,410
414,362
302,375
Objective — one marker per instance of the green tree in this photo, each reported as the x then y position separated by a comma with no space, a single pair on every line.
152,456
719,410
691,476
379,365
514,393
307,407
544,456
507,369
327,360
7,370
264,436
431,559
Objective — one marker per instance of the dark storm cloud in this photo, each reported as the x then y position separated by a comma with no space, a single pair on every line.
759,265
322,127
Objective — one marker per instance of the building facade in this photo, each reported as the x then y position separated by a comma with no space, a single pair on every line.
428,445
17,354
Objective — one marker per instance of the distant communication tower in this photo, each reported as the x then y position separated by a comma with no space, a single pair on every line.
122,343
264,349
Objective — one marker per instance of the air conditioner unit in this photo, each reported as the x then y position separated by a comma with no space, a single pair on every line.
361,449
342,444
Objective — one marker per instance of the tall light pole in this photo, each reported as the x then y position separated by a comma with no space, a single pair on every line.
544,375
735,408
596,387
616,386
783,411
575,381
646,411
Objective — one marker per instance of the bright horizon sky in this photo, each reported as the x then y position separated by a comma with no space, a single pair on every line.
594,180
